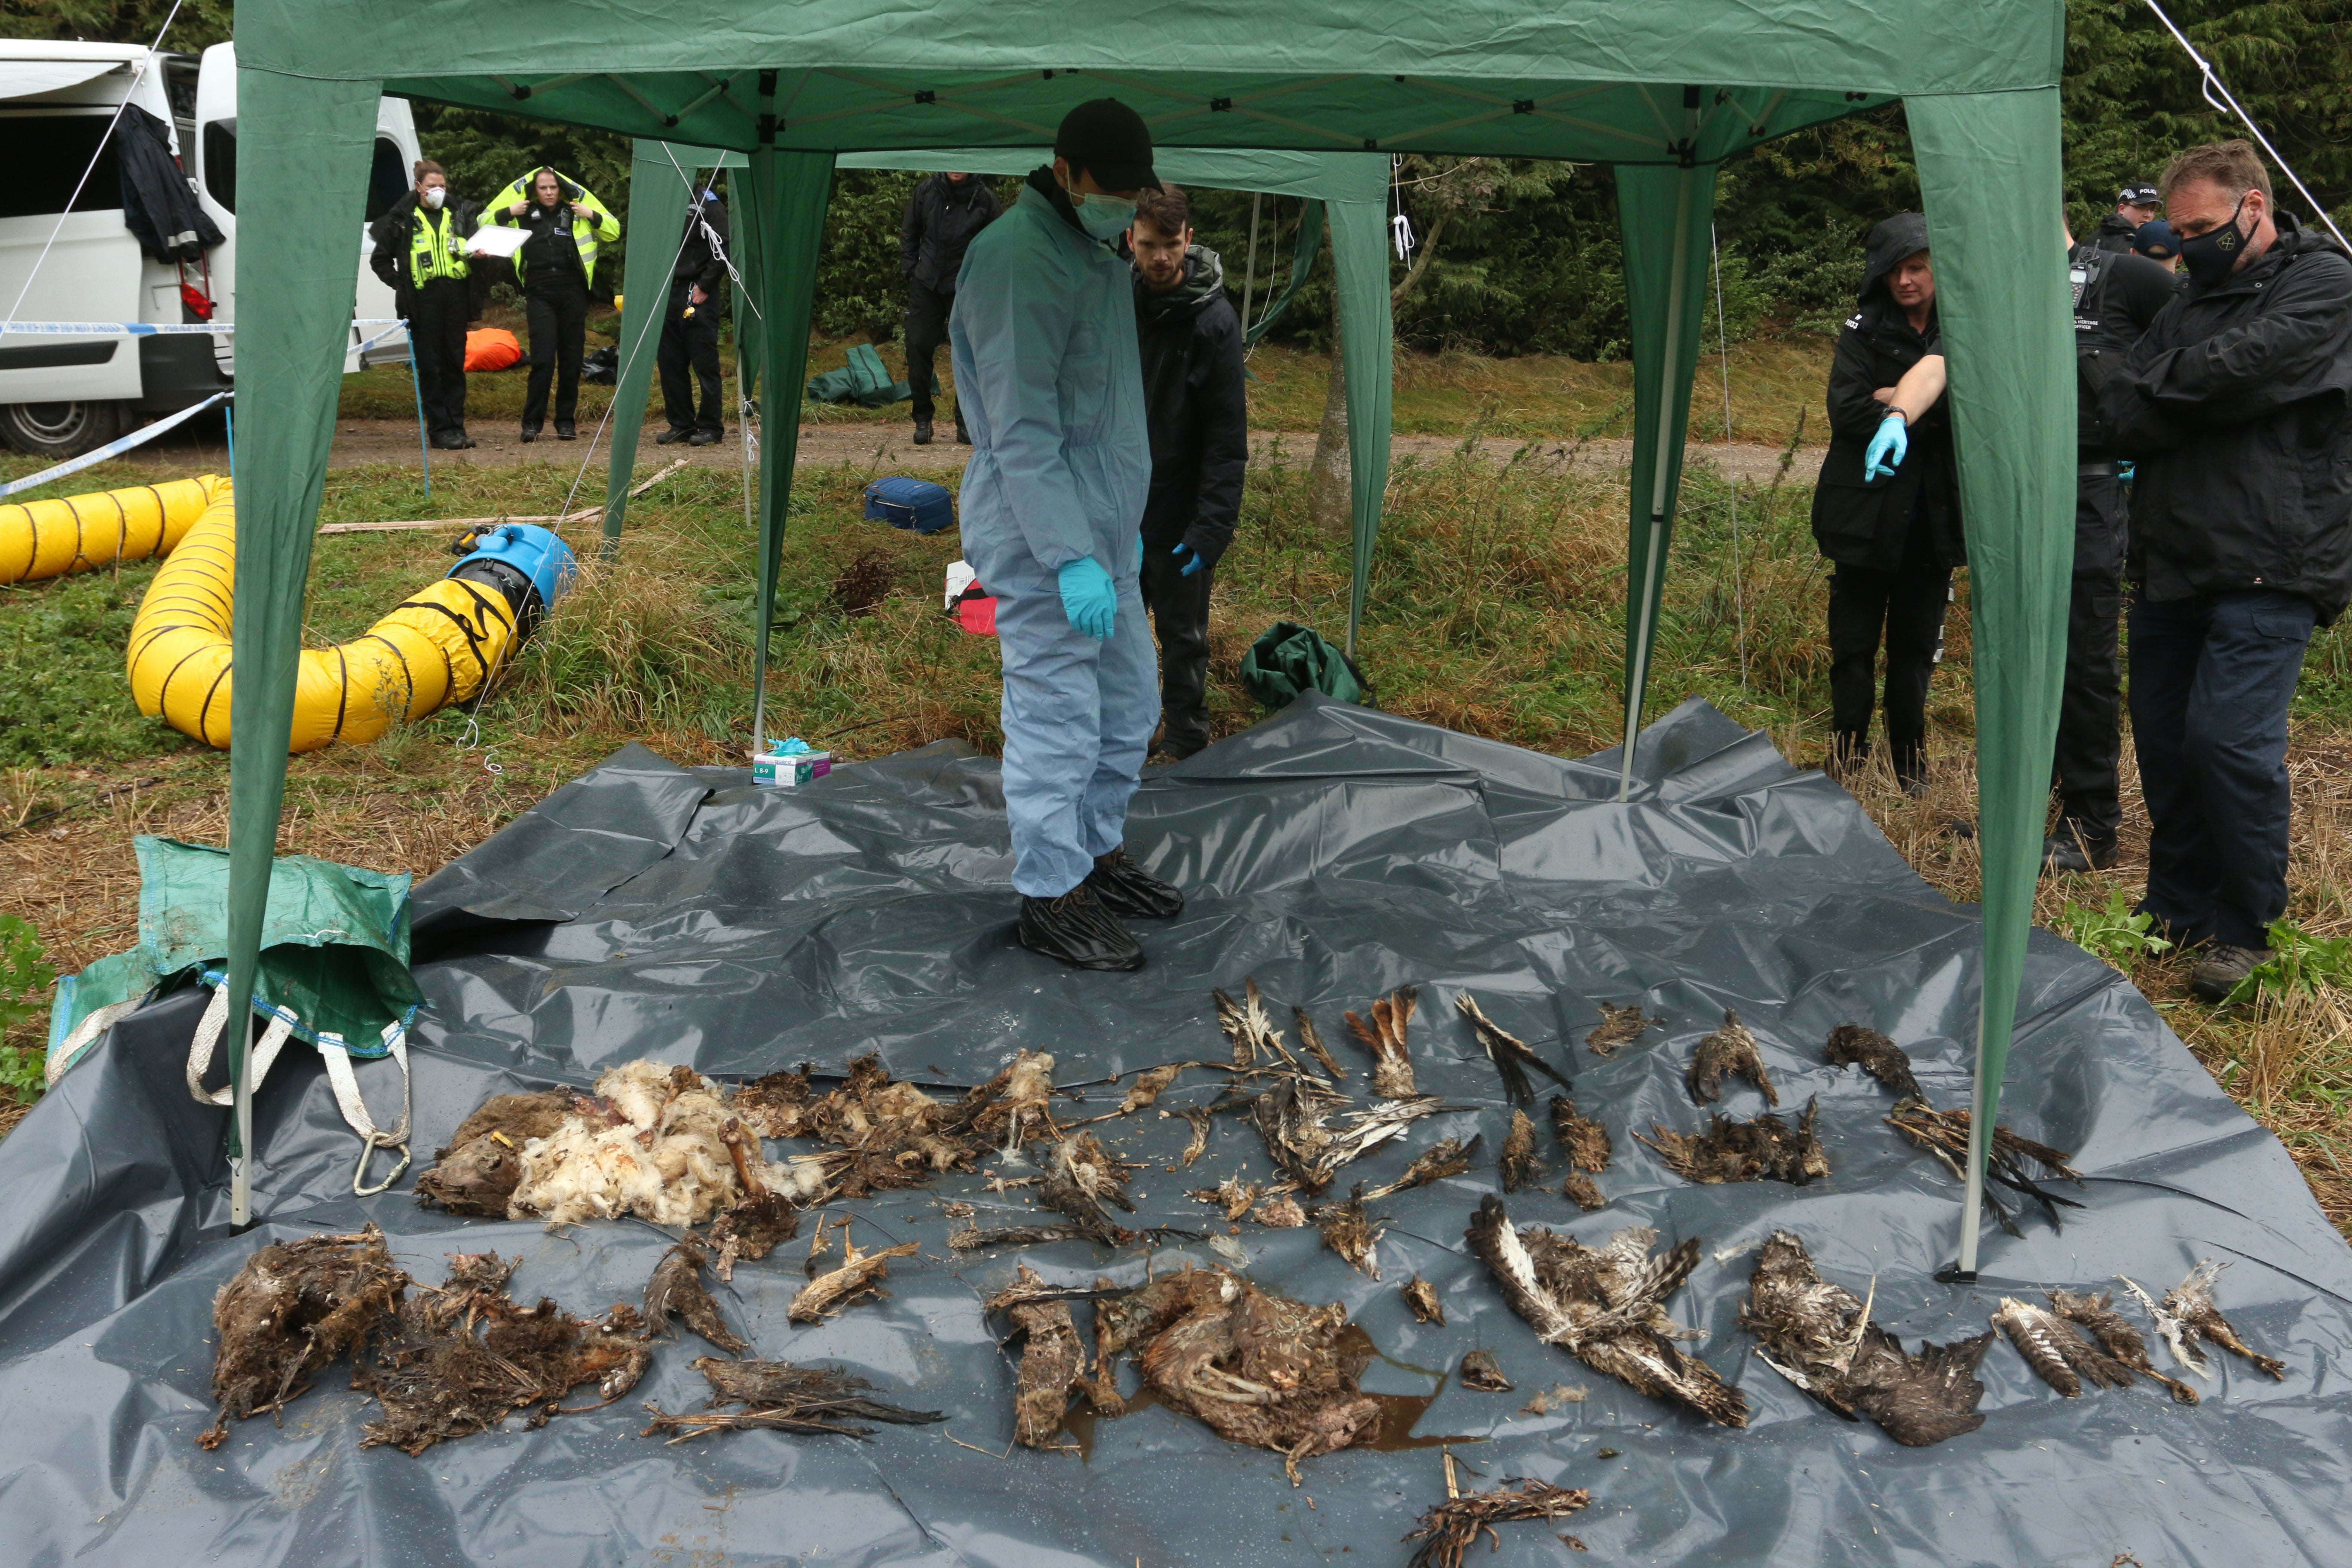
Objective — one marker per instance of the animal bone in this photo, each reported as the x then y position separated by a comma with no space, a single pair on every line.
860,1274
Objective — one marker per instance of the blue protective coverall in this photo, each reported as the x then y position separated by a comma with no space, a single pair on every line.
1048,378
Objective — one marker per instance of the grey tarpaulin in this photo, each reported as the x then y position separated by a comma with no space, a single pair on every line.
1332,852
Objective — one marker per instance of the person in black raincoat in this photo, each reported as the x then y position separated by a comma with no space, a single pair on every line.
945,212
420,250
689,332
2237,408
2117,296
2137,206
1895,539
1191,340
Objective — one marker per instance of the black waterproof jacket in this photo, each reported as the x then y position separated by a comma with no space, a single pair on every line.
158,208
2235,406
1190,339
698,261
2115,232
942,218
1869,525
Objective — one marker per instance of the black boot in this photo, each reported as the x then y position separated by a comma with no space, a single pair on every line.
529,434
565,432
922,432
962,434
1077,930
672,435
2070,849
1124,888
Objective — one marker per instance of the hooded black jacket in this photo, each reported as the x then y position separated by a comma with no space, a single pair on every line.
2115,232
2234,405
1190,339
1868,525
698,261
942,218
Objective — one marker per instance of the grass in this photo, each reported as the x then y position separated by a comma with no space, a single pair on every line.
1495,606
1538,398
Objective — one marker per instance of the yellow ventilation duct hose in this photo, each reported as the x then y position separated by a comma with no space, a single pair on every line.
81,533
437,647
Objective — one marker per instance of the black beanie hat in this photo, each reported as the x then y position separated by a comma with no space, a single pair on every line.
1109,141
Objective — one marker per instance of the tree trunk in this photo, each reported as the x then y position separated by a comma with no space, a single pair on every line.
1330,503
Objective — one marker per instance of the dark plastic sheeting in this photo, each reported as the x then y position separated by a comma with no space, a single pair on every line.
1333,852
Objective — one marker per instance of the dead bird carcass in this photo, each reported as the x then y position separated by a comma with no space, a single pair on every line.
1728,1051
292,1310
1606,1306
1254,1367
778,1396
1764,1148
2188,1314
1851,1044
1819,1337
655,1140
465,1356
1511,1056
1945,1135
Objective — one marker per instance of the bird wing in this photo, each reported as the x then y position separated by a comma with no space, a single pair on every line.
1491,1236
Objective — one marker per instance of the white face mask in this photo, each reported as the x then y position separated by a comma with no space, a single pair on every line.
1105,217
434,195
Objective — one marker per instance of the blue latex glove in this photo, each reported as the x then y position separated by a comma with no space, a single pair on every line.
1188,560
1888,448
1088,597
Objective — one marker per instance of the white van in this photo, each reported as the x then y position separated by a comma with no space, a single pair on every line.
64,395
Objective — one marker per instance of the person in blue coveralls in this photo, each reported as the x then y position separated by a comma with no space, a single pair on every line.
1048,376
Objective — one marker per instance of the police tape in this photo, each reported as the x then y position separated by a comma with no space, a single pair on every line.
147,433
115,448
149,329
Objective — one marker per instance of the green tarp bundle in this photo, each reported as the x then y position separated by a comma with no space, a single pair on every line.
1663,89
334,949
864,381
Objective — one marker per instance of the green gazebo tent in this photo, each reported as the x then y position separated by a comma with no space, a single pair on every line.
1347,191
1663,89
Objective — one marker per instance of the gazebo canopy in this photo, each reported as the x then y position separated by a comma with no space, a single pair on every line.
1664,90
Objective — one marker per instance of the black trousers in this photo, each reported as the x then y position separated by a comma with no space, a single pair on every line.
690,343
926,329
1906,607
2090,712
559,333
437,332
1180,615
2211,677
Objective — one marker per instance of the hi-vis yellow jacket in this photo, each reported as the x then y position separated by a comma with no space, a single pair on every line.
591,220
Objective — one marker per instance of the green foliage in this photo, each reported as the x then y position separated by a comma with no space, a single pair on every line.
25,974
2112,931
63,698
2298,961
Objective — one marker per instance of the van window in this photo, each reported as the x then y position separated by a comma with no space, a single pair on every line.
388,177
45,156
220,163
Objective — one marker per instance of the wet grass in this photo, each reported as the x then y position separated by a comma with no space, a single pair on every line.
1495,606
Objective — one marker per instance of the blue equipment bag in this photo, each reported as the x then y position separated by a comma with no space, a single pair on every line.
918,504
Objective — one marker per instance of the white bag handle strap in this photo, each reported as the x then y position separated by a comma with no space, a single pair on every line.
208,1034
70,1050
346,1086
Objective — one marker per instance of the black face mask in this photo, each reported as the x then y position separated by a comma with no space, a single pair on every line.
2211,257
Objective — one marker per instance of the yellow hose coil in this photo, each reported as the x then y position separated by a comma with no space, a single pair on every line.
81,533
437,648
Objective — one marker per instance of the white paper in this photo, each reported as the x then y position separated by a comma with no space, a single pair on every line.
490,240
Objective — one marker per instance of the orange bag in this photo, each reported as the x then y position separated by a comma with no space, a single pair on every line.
491,348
